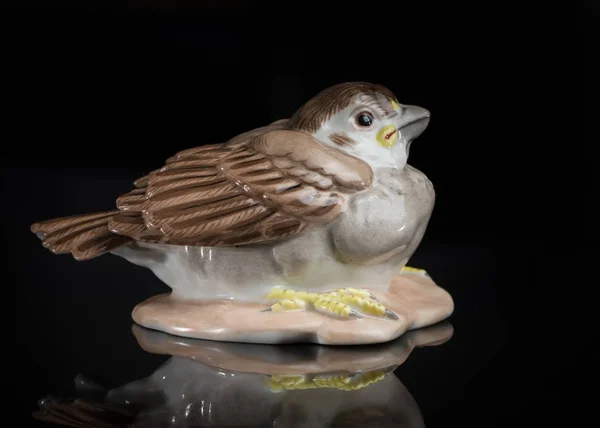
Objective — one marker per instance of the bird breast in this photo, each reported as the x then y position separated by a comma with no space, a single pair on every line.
386,218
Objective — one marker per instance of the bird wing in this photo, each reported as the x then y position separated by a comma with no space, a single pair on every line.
262,186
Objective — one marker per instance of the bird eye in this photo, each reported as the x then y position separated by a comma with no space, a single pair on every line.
364,119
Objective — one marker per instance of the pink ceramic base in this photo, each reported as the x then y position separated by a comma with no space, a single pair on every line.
416,299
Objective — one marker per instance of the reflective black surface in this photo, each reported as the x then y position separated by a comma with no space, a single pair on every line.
99,95
206,383
502,362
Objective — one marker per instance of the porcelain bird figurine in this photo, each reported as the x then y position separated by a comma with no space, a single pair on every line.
316,213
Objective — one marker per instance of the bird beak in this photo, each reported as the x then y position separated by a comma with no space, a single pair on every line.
412,123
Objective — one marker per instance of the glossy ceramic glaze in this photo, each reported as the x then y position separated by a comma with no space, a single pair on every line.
414,299
207,383
322,205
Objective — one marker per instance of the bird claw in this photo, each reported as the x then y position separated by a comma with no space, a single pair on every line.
338,380
390,369
390,315
384,371
355,314
344,302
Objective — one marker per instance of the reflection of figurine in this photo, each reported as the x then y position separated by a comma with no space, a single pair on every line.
208,383
316,214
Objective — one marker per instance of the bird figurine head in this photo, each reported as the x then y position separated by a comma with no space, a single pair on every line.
365,120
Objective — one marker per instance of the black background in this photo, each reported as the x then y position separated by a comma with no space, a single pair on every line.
96,96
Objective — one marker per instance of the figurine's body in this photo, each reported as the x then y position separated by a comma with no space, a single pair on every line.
320,211
395,213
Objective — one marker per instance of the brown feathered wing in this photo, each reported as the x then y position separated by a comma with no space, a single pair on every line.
262,186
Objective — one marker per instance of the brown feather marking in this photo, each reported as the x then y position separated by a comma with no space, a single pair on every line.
212,151
264,174
180,174
176,197
279,224
196,151
197,213
187,208
130,197
215,213
129,225
70,243
49,226
100,245
248,232
155,214
320,181
234,220
313,207
284,228
299,188
265,166
342,139
171,187
143,181
255,222
129,202
207,156
255,161
176,182
64,235
244,155
195,206
276,184
323,210
345,170
157,237
298,170
68,236
284,163
138,191
189,164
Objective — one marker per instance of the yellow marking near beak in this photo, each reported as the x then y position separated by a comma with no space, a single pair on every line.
395,105
387,136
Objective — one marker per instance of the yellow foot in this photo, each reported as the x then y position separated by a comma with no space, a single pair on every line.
344,382
343,302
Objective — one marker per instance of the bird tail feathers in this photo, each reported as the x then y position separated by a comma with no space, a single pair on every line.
85,236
